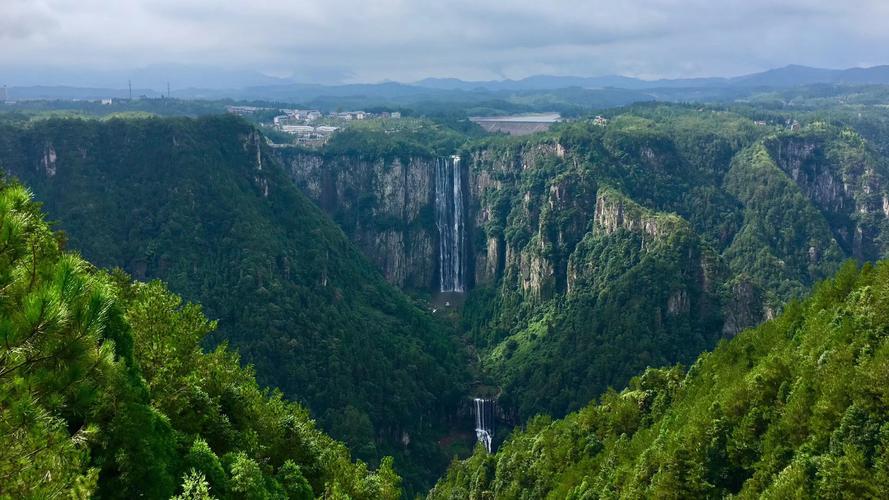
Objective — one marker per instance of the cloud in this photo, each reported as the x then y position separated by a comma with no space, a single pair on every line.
371,40
21,20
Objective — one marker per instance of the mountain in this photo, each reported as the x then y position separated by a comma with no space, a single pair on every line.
75,93
153,77
202,204
598,249
212,83
794,75
792,409
105,391
788,76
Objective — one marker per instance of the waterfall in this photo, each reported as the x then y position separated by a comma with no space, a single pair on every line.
484,422
449,220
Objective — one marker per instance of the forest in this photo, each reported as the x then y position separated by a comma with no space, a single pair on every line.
108,392
206,315
795,408
200,205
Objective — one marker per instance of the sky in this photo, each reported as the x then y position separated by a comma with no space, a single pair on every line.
350,41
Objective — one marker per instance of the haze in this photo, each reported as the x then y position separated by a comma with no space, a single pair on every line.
93,42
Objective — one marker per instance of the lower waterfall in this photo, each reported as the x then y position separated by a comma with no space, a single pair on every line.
449,220
484,422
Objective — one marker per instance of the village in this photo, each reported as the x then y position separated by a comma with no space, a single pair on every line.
309,127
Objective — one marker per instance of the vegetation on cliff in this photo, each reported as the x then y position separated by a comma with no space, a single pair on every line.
576,294
795,408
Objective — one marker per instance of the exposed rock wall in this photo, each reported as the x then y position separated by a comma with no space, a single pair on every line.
386,208
845,180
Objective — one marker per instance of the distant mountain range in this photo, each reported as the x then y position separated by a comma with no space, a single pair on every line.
211,83
788,76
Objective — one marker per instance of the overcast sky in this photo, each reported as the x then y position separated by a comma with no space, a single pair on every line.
406,40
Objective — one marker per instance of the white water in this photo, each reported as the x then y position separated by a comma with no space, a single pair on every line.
484,422
449,220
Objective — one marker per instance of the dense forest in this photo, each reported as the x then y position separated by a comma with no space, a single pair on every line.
795,408
608,245
106,391
200,204
642,242
603,254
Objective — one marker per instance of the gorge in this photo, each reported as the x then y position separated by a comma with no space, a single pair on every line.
579,257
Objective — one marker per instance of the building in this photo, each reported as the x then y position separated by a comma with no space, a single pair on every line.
600,121
298,129
242,110
396,114
107,102
3,94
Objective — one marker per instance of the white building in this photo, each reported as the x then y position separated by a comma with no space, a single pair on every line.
298,129
3,95
396,114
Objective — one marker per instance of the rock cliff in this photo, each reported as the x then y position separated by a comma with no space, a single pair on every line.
385,207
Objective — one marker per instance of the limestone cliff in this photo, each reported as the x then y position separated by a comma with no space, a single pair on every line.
385,207
845,179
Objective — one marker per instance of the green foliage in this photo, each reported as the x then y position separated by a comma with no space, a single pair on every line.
643,241
792,409
194,487
106,392
201,205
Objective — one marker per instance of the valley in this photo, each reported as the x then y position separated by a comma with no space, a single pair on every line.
453,250
436,289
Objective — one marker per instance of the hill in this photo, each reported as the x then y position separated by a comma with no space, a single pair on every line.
795,408
105,391
603,247
201,204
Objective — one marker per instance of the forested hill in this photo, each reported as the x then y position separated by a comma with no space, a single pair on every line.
105,391
199,204
795,408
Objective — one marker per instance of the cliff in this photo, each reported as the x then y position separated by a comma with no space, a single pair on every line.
385,206
844,177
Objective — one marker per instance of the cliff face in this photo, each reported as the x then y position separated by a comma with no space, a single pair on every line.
844,178
535,254
385,207
585,242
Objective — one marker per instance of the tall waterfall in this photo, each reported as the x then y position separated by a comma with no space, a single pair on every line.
449,220
484,422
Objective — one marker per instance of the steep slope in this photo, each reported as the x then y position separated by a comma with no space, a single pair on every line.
639,291
763,213
767,211
105,391
202,205
379,186
793,409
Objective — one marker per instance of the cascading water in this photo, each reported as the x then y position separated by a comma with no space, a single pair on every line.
484,422
449,220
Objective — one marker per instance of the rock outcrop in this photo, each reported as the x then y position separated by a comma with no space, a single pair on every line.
385,207
844,179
